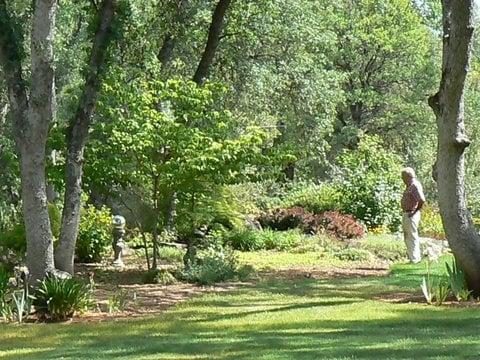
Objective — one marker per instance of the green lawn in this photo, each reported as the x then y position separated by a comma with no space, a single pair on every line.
272,319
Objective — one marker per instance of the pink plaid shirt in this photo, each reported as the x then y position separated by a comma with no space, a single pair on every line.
412,195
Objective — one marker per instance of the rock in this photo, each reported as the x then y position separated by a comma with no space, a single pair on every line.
433,248
252,224
58,274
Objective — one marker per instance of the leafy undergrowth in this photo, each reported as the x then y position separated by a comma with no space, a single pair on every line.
272,319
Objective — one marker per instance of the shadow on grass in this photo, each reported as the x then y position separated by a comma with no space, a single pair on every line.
280,319
417,334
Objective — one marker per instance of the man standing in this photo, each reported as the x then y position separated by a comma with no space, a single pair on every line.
412,201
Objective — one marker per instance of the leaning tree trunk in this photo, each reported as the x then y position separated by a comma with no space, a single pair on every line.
77,138
203,69
448,105
213,40
170,39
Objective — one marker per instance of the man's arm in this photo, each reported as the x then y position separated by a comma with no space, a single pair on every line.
419,197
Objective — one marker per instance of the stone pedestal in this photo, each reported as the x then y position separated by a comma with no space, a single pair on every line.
118,242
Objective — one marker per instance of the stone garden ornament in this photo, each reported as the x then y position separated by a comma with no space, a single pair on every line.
118,242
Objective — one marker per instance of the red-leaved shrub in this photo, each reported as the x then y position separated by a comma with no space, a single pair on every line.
340,225
286,219
333,223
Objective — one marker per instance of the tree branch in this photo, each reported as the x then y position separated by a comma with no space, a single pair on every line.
11,62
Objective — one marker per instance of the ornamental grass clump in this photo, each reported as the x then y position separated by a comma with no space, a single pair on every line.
60,299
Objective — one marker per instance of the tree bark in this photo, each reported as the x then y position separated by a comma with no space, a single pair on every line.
32,118
448,106
77,134
166,50
213,40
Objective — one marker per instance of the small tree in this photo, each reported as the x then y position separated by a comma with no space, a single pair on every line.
169,137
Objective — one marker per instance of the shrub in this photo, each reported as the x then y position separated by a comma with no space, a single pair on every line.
118,301
94,235
60,299
170,254
4,289
286,219
368,179
313,197
431,224
246,240
340,225
159,276
212,266
284,240
267,239
387,248
15,237
354,254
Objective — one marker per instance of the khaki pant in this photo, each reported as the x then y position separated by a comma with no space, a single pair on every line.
410,233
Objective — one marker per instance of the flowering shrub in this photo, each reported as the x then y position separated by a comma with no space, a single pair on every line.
431,224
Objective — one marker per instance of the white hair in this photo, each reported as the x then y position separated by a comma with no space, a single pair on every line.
408,171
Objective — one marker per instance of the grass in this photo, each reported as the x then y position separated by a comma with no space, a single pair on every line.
271,259
272,319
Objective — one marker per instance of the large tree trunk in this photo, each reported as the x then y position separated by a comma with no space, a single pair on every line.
213,40
31,124
32,119
40,116
77,134
448,105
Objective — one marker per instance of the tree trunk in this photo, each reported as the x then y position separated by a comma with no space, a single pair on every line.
212,42
448,106
166,50
35,211
40,116
77,134
32,119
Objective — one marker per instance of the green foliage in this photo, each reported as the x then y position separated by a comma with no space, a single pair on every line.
118,301
4,291
212,266
384,247
440,292
95,234
368,179
267,239
159,276
354,254
14,237
457,282
315,198
246,239
60,299
173,138
431,224
55,219
170,254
